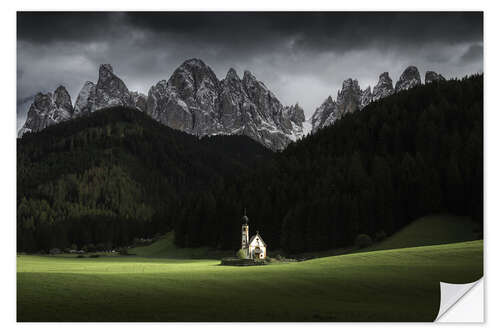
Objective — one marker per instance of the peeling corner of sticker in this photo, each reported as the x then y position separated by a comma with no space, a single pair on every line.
451,294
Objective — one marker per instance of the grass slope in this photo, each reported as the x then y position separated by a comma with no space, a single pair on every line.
389,285
427,230
165,248
431,230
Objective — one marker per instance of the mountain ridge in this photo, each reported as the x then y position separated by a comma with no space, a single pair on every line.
351,97
195,101
192,100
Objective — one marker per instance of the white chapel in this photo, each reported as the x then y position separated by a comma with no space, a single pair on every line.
255,247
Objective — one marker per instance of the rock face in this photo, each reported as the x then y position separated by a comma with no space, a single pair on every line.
139,100
109,91
366,97
322,113
193,100
48,109
85,102
431,76
352,98
295,113
349,99
384,87
409,79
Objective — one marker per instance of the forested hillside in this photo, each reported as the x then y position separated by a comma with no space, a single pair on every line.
117,174
107,178
409,155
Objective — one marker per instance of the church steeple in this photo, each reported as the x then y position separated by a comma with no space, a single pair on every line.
244,219
244,231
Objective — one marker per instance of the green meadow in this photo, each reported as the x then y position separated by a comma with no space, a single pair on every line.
385,285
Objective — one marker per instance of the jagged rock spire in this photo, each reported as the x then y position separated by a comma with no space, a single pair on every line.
409,79
383,88
431,76
48,109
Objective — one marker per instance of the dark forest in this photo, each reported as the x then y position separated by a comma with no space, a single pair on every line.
103,180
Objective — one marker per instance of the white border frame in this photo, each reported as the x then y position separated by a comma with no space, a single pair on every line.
8,135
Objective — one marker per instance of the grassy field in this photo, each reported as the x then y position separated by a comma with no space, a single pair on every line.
165,248
387,285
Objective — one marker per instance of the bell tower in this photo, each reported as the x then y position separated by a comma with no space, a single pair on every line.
244,231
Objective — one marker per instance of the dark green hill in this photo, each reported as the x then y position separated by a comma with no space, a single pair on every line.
115,175
413,154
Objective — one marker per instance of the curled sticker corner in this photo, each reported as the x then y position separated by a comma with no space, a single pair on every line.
451,293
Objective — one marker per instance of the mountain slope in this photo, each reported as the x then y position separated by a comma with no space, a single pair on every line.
114,175
412,154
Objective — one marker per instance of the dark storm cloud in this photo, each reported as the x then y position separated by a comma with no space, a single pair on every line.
301,56
344,29
313,30
46,27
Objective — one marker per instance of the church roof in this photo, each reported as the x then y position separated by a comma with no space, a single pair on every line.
255,236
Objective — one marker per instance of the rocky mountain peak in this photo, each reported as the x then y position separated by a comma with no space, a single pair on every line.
231,74
350,84
105,70
85,102
384,77
195,101
321,114
110,90
193,62
192,100
195,80
48,109
248,76
295,113
431,76
62,99
195,68
349,98
260,95
383,88
366,97
232,79
42,101
409,79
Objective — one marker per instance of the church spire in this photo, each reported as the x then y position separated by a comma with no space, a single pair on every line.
245,218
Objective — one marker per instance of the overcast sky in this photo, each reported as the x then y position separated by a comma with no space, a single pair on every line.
301,57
